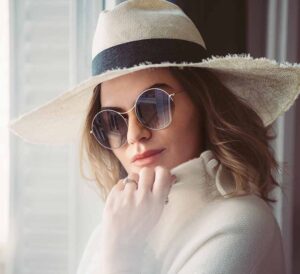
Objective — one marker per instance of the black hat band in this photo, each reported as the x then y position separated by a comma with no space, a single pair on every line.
154,51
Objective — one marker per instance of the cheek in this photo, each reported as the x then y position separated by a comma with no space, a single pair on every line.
121,156
183,139
187,131
187,124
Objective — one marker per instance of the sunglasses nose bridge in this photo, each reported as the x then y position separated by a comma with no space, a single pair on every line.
136,131
126,112
135,118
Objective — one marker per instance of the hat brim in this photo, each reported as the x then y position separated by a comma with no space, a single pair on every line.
270,88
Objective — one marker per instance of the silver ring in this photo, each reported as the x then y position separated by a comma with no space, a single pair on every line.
128,180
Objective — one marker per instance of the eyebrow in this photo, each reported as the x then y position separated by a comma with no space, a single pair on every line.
157,85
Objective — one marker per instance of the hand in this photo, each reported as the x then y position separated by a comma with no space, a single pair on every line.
129,215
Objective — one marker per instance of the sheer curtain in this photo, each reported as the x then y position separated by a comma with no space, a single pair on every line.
4,136
282,45
52,210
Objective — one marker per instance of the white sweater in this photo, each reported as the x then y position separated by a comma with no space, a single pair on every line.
201,232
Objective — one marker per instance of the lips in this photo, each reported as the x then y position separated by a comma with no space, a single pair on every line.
146,154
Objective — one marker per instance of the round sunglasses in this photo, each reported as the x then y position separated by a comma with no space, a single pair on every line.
153,108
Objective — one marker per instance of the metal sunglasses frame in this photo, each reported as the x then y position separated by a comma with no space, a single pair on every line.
134,107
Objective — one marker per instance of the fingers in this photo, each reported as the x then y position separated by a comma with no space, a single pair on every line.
163,183
147,177
129,187
156,181
121,186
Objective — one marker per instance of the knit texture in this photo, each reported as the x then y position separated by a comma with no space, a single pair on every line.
202,232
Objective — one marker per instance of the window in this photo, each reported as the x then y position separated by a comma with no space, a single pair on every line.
4,135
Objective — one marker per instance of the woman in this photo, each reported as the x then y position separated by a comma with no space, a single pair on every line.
177,143
200,123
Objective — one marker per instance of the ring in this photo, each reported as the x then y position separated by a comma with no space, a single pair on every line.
128,180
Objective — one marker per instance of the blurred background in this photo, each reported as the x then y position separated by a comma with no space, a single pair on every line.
47,211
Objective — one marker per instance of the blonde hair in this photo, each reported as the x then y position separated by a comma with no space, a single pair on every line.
233,131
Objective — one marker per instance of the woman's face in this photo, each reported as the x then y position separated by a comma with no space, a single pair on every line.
180,141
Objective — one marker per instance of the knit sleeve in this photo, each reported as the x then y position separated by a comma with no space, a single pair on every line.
235,239
89,263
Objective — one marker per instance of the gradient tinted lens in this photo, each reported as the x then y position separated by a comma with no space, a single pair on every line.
110,129
154,108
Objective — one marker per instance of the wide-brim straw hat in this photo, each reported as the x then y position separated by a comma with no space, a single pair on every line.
140,34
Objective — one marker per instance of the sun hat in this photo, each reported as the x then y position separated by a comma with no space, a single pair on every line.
140,34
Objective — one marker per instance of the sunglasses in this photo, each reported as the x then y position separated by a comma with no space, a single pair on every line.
153,108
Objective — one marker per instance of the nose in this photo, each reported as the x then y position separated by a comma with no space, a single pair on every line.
136,131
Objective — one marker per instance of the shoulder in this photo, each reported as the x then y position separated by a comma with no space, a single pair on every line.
244,224
238,235
249,212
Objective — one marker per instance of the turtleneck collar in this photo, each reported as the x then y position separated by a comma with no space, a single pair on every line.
199,181
205,174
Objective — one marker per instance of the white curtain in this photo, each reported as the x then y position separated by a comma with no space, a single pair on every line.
282,45
52,210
